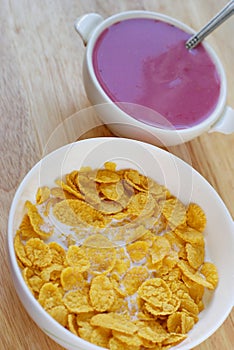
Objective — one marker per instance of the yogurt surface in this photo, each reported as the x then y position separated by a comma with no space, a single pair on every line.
143,64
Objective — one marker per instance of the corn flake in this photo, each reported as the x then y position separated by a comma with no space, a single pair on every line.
101,293
195,255
52,272
194,276
141,204
153,332
136,180
190,235
115,322
67,189
160,248
72,278
71,180
38,252
60,314
116,344
196,217
137,250
110,166
79,211
58,253
102,260
26,229
20,251
195,290
112,191
174,339
180,322
50,296
37,222
166,308
85,331
76,257
134,278
106,176
42,195
72,324
77,302
100,336
155,291
210,272
174,211
131,340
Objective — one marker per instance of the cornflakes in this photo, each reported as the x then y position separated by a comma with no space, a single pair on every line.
58,253
116,344
110,166
190,235
100,336
72,278
195,255
38,252
137,250
37,221
127,267
196,291
85,331
72,324
51,272
78,211
68,189
136,180
77,302
141,204
112,191
174,211
71,180
160,248
43,193
26,229
115,322
210,272
76,257
101,293
194,276
130,340
106,176
180,322
50,296
101,254
153,332
155,291
60,314
196,217
20,251
133,279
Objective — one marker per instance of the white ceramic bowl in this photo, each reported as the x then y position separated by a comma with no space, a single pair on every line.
182,180
90,26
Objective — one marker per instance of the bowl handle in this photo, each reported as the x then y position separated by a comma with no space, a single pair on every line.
85,25
225,124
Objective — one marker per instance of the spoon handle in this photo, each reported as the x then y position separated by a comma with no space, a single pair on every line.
222,16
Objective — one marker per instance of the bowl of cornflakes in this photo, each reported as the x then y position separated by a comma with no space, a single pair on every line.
117,244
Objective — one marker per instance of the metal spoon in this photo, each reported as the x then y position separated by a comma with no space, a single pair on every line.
221,16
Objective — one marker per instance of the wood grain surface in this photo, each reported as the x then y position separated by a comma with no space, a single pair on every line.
41,86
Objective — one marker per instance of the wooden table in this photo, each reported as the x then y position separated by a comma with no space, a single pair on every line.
41,85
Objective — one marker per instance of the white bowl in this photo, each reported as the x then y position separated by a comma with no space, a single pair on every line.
182,180
89,27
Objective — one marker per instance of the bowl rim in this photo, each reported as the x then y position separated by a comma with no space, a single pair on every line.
16,270
198,128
